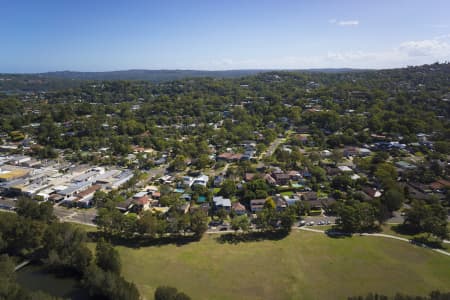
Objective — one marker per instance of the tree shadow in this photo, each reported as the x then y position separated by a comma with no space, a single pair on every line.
404,229
144,241
428,242
236,238
336,233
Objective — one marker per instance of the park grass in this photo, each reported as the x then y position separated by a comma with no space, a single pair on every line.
321,227
390,229
303,265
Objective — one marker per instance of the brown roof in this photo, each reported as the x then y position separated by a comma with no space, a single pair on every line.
237,206
444,183
257,202
249,176
142,200
88,191
226,155
230,156
279,176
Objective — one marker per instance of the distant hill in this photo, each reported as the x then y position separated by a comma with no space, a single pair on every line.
13,83
151,75
165,75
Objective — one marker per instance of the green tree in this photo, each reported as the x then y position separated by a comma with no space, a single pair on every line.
169,293
106,257
165,293
240,223
429,218
65,247
199,223
107,285
9,288
148,224
287,219
393,198
386,174
228,189
178,164
34,210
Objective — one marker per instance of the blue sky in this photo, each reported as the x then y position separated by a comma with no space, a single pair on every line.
101,35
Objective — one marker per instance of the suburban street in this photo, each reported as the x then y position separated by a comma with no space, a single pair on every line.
273,146
87,216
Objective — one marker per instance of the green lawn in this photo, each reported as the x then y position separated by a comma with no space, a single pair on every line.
388,229
288,193
304,265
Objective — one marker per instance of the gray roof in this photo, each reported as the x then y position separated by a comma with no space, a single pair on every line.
74,188
221,201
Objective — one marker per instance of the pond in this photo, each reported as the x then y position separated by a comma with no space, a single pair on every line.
35,278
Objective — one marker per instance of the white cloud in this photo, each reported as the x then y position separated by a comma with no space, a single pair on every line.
344,22
437,47
348,23
407,53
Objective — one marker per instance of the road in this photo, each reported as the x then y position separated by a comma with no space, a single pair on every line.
273,146
158,171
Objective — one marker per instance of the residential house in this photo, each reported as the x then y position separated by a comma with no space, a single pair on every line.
269,179
350,151
308,196
218,180
249,176
440,185
372,192
222,203
345,169
141,203
403,165
257,205
201,180
364,152
125,205
229,157
238,208
281,178
291,200
280,203
294,175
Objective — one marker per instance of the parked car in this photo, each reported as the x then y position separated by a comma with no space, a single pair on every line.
302,223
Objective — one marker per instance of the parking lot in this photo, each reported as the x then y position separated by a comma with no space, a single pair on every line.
76,215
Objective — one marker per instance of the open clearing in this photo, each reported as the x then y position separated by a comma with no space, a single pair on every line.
302,266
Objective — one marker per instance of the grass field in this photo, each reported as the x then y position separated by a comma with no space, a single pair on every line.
302,266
